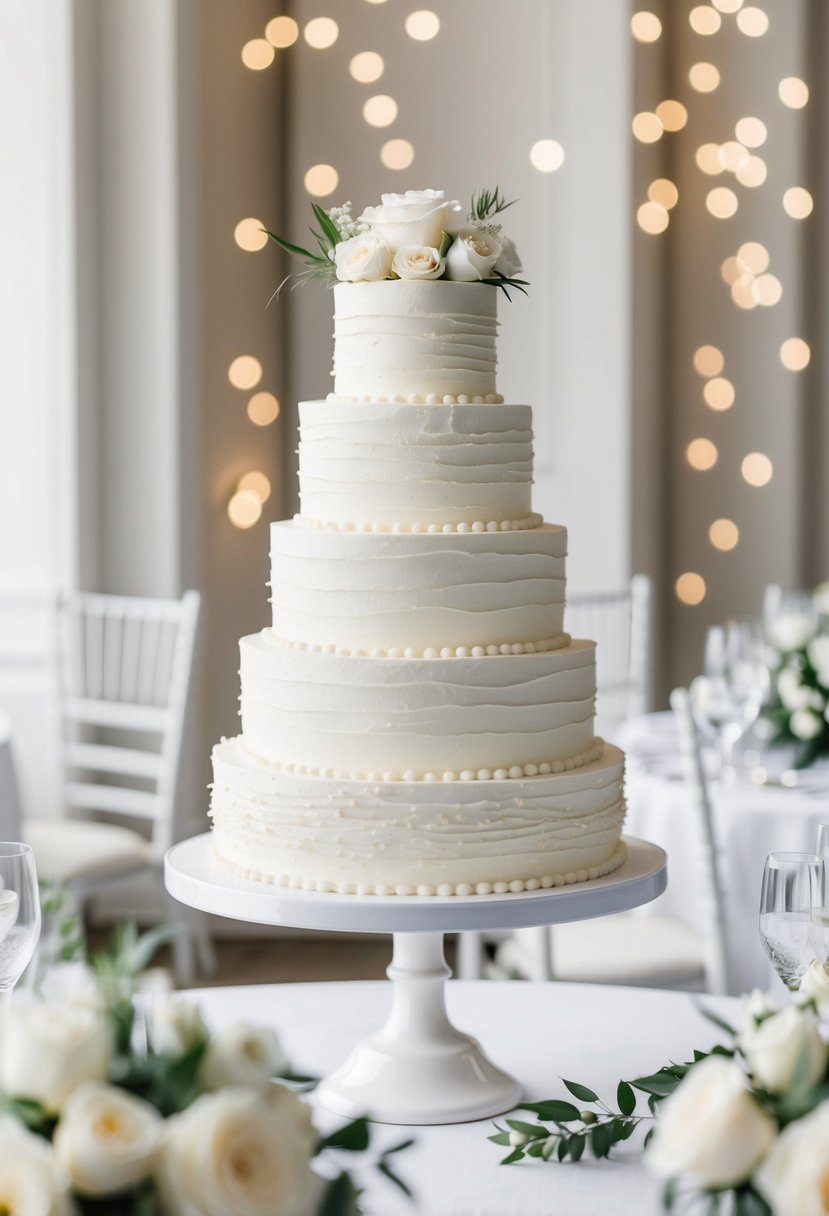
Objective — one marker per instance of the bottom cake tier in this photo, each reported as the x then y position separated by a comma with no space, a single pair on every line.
416,838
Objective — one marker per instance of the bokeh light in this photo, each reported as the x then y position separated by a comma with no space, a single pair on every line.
282,31
321,32
769,289
757,469
647,127
727,6
793,92
732,154
721,202
664,192
547,155
704,20
709,160
724,534
257,483
672,115
652,218
263,409
798,202
795,354
718,394
645,26
397,154
708,360
753,257
751,131
366,67
245,372
321,180
380,111
704,77
744,291
701,454
244,509
753,22
249,236
258,54
752,172
422,25
690,588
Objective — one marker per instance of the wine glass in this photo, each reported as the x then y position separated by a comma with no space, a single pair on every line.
729,696
791,901
19,919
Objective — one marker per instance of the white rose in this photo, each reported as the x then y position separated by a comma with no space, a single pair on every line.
509,263
786,1051
418,262
821,598
711,1127
805,724
242,1055
107,1140
472,255
792,631
245,1151
31,1183
793,693
756,1007
175,1026
815,986
362,259
818,652
794,1178
50,1048
418,217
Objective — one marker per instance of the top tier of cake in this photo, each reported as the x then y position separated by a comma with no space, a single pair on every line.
415,341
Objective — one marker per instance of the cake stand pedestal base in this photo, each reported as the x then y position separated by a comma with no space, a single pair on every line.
418,1068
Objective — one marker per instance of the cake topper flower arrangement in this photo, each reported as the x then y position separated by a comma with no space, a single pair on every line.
415,236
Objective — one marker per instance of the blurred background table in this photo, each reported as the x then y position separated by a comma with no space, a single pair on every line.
750,821
588,1033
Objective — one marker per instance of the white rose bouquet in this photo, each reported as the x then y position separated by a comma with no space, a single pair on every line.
410,236
117,1101
799,666
742,1129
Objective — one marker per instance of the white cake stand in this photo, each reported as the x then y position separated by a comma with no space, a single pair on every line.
418,1068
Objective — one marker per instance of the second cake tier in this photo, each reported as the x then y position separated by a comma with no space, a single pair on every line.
417,718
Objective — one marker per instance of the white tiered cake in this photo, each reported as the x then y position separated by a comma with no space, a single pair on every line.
417,721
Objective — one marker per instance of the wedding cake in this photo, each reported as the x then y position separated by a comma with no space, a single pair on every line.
417,721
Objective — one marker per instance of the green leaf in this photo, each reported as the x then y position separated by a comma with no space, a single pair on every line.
625,1098
500,1138
328,226
387,1172
577,1144
517,1154
296,250
659,1085
445,244
715,1018
600,1140
297,1078
649,1136
340,1198
748,1203
669,1194
398,1148
553,1108
535,1149
580,1091
528,1129
31,1113
353,1137
563,1147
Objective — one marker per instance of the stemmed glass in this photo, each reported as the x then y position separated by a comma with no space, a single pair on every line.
728,698
19,917
791,904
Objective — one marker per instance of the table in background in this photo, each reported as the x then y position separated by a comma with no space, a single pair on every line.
749,821
540,1032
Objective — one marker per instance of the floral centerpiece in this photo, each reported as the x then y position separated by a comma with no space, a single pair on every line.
116,1103
799,666
742,1129
416,235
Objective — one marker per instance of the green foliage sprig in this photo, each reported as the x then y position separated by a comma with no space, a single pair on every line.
488,203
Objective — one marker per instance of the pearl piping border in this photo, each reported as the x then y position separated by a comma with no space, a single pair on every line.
515,772
492,525
559,642
415,399
443,890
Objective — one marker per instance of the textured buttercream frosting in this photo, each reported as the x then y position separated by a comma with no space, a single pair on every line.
406,464
330,834
414,338
419,715
417,590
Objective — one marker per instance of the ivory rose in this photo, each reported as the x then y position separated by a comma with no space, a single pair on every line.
242,1055
51,1048
472,255
711,1127
31,1184
791,631
245,1151
418,217
418,262
815,986
106,1140
176,1026
509,262
362,259
786,1051
794,1178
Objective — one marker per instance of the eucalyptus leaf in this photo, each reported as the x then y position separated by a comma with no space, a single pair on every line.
577,1144
600,1140
387,1172
533,1130
354,1137
580,1091
517,1154
340,1198
659,1085
553,1108
625,1098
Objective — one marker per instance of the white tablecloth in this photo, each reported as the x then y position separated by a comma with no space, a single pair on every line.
750,821
540,1032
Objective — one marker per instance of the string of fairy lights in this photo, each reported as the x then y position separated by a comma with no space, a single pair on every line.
380,111
747,273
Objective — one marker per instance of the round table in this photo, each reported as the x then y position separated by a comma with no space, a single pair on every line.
541,1032
750,821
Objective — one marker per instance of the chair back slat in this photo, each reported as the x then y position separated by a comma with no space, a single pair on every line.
87,796
619,621
126,667
711,889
